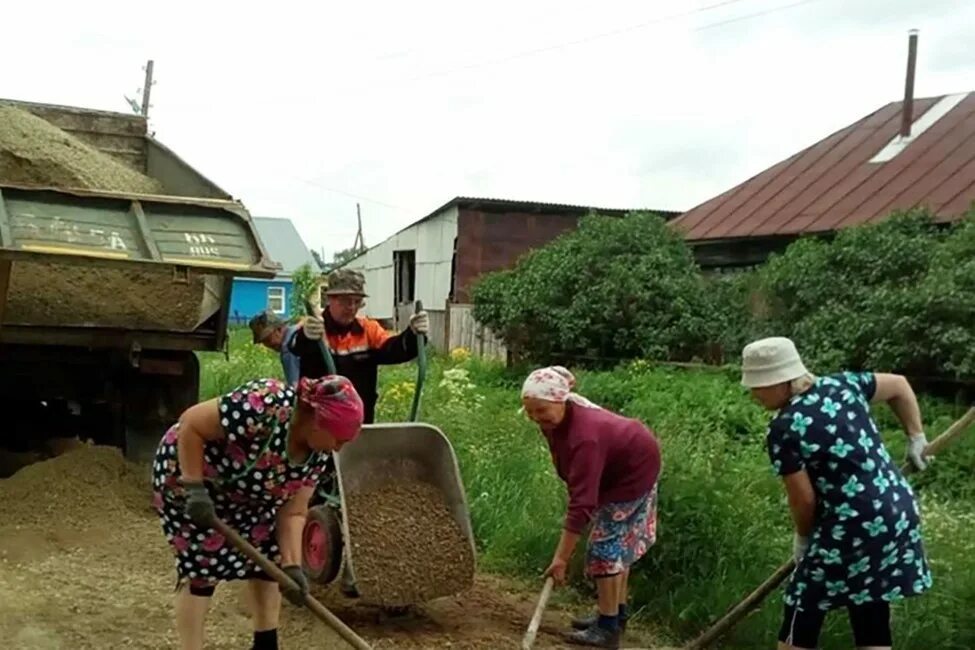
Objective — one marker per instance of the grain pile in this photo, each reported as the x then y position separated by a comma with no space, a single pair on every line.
35,152
408,548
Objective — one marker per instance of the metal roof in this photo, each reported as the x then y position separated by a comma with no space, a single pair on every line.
508,205
857,175
283,243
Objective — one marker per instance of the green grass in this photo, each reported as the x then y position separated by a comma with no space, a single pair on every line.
724,524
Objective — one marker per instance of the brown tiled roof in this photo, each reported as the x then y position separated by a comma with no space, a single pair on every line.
834,184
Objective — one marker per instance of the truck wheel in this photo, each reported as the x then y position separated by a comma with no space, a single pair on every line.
321,545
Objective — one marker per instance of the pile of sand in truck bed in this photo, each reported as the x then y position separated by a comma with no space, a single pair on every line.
407,548
70,294
35,152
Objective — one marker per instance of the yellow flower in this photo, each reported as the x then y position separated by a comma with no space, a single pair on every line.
460,355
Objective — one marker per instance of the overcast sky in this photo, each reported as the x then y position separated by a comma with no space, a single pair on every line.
302,109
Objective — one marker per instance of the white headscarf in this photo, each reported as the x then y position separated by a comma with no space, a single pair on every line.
554,384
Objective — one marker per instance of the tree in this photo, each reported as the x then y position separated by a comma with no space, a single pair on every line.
613,288
344,255
897,295
318,259
304,284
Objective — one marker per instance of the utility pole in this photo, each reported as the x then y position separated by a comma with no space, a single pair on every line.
143,108
146,89
360,242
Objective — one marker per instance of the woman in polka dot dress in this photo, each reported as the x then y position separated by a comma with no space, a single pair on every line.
251,458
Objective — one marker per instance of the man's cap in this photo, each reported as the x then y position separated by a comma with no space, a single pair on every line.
263,324
346,282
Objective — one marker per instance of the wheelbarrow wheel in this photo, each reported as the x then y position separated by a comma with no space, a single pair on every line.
321,545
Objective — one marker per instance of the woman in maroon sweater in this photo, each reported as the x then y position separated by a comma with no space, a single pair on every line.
610,465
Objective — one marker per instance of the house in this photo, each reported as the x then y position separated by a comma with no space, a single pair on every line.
437,259
250,296
907,154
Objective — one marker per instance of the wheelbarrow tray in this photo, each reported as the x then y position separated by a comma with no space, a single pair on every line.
408,451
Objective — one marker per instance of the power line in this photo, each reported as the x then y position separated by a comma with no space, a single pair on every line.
588,39
754,15
353,195
578,41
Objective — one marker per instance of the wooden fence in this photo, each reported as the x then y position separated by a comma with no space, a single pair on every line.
465,332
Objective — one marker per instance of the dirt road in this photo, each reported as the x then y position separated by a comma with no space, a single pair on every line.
86,567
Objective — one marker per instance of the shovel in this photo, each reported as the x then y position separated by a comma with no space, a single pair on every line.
529,639
271,569
754,599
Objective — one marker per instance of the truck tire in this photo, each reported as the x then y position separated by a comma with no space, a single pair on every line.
321,545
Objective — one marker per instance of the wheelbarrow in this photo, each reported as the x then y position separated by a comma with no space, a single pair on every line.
382,452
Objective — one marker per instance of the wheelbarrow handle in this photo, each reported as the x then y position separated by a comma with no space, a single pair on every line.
322,346
421,367
272,569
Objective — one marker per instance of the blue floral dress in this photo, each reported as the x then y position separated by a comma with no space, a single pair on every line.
866,542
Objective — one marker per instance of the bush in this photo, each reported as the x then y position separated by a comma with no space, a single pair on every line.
613,288
898,295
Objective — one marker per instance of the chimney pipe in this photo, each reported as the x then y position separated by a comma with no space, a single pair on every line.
907,115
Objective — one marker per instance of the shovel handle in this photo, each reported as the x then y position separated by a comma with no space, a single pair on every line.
536,622
421,367
272,569
754,599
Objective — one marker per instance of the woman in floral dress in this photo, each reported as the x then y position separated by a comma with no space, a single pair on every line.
251,458
858,536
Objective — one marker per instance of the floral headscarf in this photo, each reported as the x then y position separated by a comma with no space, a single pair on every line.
554,384
338,407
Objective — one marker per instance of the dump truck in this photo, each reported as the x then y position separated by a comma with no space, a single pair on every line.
105,296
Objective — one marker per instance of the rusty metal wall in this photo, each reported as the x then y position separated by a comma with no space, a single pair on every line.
492,241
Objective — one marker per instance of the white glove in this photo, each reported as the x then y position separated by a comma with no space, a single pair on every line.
314,328
915,450
800,545
420,323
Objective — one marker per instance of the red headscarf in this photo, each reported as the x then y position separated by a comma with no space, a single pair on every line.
338,407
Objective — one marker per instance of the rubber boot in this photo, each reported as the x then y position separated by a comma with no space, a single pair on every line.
595,637
587,621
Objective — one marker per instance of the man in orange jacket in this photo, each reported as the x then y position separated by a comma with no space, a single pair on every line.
359,345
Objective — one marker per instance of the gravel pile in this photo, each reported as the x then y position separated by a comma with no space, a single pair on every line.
87,486
35,152
408,549
70,294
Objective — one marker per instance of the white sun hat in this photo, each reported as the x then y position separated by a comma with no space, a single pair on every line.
770,361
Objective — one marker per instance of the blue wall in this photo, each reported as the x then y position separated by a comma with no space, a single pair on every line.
250,297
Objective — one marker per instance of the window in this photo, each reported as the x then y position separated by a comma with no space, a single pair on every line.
275,299
404,276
